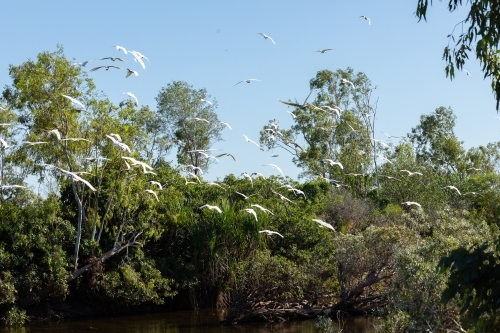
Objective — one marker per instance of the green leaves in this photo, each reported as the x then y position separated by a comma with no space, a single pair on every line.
179,104
474,279
335,126
482,25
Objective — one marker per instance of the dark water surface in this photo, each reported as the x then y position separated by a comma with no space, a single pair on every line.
206,321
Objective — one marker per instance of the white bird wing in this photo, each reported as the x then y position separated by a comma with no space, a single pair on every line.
211,207
115,141
157,183
74,101
243,195
118,47
226,124
12,186
202,119
4,143
78,178
251,211
137,58
153,193
56,133
262,208
451,187
410,203
75,139
324,224
384,158
140,55
130,72
266,37
270,232
129,94
33,143
249,140
276,167
246,175
339,164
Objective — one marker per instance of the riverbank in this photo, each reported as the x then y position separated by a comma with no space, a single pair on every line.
193,321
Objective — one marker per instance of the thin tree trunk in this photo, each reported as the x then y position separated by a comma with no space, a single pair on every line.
79,212
115,250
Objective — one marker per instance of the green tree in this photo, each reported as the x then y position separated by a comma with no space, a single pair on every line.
112,214
8,173
34,241
337,126
474,279
37,95
479,31
436,142
178,106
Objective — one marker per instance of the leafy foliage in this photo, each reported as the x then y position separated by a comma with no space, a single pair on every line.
141,233
416,293
178,106
474,279
479,32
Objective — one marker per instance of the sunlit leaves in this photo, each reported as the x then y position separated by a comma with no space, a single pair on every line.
178,106
482,27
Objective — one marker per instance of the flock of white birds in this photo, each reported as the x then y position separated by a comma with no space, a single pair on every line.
131,163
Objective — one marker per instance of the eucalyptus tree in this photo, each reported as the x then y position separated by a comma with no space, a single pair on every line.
478,32
436,143
8,175
78,143
37,96
337,126
421,184
189,120
483,158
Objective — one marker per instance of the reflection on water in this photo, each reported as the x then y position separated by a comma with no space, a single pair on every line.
201,321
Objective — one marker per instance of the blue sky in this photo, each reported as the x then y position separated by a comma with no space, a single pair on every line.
214,44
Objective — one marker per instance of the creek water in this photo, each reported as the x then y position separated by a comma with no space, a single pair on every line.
200,321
